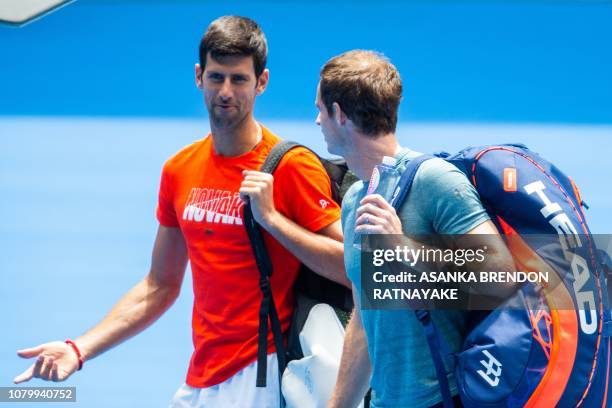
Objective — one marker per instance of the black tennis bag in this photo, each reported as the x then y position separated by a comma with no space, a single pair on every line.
310,288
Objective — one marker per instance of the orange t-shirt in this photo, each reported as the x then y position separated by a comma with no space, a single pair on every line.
199,194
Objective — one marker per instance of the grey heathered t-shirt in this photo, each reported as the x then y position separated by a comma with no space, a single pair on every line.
441,201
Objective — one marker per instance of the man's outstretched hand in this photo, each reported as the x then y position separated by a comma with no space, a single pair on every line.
55,361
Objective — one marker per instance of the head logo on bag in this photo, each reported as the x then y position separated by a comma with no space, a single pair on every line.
569,238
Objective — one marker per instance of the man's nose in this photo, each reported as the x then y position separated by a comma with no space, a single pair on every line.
226,89
318,119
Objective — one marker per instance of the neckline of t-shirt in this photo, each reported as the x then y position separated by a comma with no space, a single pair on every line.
400,158
255,151
403,156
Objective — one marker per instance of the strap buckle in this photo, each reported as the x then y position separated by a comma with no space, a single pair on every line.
423,315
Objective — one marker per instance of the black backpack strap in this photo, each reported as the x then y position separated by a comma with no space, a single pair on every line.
277,153
267,308
436,343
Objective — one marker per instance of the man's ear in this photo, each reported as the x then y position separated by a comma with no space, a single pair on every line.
198,76
262,81
339,115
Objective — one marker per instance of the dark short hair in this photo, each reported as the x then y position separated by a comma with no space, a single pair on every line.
231,36
367,87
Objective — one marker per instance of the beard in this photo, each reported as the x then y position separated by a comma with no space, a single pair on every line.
334,144
226,120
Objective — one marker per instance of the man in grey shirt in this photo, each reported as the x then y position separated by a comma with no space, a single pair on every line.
358,98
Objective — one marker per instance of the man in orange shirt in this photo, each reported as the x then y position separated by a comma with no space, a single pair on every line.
202,192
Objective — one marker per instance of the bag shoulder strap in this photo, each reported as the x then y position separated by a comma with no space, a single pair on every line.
406,180
277,153
436,343
339,174
267,308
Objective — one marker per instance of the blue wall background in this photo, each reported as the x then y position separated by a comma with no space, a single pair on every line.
541,61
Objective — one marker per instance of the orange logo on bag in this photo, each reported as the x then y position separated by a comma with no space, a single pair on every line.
510,179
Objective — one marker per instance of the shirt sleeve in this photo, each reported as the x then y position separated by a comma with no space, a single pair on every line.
448,198
166,214
302,190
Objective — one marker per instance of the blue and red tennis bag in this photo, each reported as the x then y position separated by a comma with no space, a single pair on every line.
555,353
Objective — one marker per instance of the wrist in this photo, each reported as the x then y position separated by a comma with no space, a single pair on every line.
333,402
77,351
84,347
270,221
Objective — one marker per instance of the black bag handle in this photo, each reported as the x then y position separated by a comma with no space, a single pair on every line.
267,308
